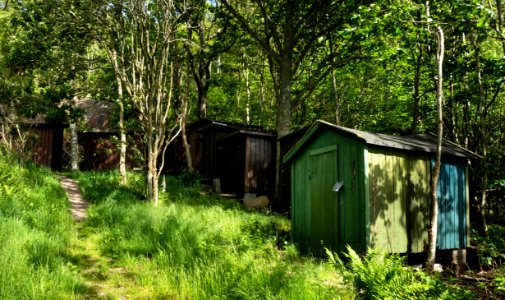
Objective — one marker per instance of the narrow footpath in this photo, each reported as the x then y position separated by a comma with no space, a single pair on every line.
78,204
94,267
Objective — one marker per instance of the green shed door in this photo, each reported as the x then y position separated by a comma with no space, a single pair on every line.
322,176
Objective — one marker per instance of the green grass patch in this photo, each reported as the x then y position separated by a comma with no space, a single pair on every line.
196,247
36,229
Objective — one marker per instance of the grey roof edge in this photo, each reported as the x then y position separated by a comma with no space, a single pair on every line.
418,143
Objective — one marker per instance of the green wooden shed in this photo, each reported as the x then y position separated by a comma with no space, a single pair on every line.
350,187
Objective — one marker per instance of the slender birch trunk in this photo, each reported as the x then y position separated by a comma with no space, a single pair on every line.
74,147
433,232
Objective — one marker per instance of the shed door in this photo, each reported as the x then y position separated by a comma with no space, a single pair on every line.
322,175
452,199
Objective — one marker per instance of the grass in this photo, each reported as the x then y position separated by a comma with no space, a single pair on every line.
35,234
194,247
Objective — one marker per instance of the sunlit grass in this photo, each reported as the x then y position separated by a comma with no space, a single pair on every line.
35,232
196,247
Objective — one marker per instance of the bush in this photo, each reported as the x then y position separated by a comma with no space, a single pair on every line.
491,248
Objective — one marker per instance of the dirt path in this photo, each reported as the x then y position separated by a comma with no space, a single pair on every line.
78,203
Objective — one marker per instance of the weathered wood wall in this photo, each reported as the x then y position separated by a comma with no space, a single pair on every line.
48,147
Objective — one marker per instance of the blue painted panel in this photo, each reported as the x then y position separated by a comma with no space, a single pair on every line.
451,206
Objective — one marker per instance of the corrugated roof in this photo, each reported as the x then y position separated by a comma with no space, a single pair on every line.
205,124
97,114
421,142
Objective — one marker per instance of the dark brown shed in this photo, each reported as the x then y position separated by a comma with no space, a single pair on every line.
47,149
202,138
246,163
98,136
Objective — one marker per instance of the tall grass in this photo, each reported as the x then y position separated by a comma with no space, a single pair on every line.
199,247
35,232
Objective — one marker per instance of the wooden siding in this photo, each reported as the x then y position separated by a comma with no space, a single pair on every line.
48,147
452,207
246,164
320,217
100,152
43,149
398,200
259,166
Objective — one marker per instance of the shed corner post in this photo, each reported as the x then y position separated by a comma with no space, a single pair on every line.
366,195
467,201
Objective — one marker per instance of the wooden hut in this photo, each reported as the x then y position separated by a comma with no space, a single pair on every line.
47,149
96,134
350,187
202,137
246,163
98,137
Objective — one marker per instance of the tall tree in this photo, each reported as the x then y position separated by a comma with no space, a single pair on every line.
289,32
435,174
142,44
149,76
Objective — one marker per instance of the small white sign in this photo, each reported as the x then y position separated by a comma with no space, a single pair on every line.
337,186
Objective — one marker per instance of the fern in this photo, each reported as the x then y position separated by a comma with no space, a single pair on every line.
378,275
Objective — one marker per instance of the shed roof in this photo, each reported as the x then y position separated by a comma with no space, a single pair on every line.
426,143
249,133
97,114
206,124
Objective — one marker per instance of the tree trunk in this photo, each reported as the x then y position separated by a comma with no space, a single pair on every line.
152,170
482,141
433,232
74,148
500,21
334,83
122,135
283,118
245,69
187,149
284,105
415,106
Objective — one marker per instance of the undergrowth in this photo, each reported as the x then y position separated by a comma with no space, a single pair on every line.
35,232
196,246
378,275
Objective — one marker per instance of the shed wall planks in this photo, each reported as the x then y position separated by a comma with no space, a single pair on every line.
318,213
398,199
452,206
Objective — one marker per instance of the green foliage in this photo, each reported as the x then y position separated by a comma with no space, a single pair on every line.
378,275
189,178
491,248
35,233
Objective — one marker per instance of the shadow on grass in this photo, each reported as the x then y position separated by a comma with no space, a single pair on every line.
98,187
